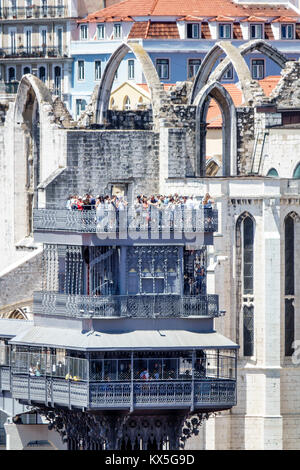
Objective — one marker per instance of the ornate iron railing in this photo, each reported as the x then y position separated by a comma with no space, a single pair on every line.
34,11
127,221
211,394
141,306
33,51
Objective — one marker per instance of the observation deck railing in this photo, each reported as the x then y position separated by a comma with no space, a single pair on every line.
128,221
208,381
141,306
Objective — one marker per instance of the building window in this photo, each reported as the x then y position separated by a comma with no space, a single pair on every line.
117,31
192,30
57,80
26,70
44,7
13,42
80,106
289,283
80,74
225,31
11,74
248,330
43,40
258,69
193,67
245,276
97,69
228,74
248,239
59,40
127,104
100,31
287,31
256,31
272,172
162,67
83,32
28,41
42,74
131,69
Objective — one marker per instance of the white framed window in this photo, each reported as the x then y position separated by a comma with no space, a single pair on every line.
127,104
193,30
11,74
97,69
59,40
193,67
57,80
26,69
83,32
80,69
163,68
258,69
256,31
12,41
287,31
44,7
117,30
80,106
130,69
27,40
42,73
100,31
13,8
225,31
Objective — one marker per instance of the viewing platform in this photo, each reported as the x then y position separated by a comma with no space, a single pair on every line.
206,381
136,306
126,226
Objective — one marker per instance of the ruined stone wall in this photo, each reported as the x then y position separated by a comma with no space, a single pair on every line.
98,158
245,139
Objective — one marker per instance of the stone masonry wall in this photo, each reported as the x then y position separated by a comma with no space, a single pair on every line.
98,158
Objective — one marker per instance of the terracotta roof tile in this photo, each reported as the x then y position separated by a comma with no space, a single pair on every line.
285,19
268,32
237,31
151,30
255,19
214,115
191,8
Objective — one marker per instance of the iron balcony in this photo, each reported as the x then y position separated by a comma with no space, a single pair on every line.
142,306
128,222
34,11
33,52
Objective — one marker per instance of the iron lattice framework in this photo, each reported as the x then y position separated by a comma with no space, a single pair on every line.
85,431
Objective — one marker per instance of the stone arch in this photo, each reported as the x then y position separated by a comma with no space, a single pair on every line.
33,108
235,57
216,91
296,172
151,76
212,166
17,314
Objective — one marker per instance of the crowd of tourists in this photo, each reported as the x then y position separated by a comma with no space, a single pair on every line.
142,202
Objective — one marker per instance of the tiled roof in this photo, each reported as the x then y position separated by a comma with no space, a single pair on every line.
214,116
189,9
285,19
255,19
157,30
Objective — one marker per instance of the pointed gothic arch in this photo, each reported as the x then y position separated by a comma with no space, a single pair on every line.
216,91
235,56
151,76
28,116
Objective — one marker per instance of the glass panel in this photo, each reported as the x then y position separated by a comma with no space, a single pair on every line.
289,326
248,330
289,256
110,369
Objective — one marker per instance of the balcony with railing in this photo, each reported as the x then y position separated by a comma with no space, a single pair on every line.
34,12
158,225
204,380
33,52
132,306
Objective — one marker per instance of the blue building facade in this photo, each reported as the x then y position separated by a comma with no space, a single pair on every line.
177,45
